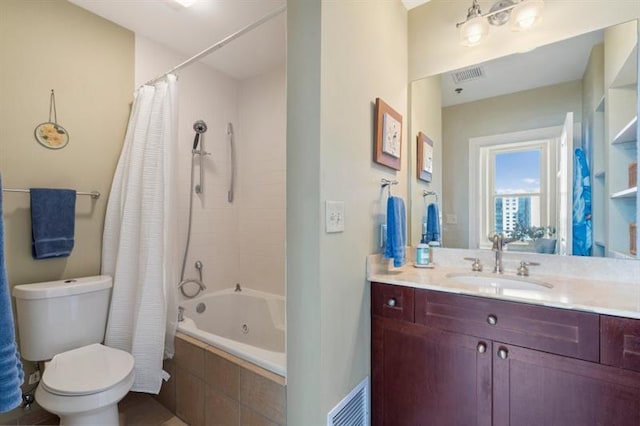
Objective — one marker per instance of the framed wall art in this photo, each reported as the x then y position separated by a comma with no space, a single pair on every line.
425,157
387,148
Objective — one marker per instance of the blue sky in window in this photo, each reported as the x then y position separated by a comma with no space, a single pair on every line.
517,172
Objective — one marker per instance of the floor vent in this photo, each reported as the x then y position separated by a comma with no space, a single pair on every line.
353,410
468,74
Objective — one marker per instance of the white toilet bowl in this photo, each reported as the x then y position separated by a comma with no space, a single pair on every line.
83,386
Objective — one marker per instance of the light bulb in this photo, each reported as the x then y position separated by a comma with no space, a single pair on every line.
526,14
473,31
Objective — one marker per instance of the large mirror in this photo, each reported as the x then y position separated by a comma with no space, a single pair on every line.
509,130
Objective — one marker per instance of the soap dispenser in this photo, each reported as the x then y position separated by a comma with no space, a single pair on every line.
422,252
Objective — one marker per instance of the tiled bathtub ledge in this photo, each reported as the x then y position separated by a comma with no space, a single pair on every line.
210,386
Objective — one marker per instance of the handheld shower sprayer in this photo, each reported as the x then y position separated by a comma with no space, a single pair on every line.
200,127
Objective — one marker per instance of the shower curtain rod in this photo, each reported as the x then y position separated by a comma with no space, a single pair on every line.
221,43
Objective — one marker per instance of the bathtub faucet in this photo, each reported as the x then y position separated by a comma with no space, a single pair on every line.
180,314
238,288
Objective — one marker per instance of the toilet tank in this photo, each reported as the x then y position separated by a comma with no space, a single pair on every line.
58,316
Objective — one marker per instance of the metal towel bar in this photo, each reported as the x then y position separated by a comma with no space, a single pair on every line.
94,194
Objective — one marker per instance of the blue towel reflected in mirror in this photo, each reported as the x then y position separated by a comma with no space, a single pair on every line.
433,224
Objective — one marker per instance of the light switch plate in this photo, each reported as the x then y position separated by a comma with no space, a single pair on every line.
334,216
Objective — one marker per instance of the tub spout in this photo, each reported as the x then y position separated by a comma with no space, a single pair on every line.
180,314
238,288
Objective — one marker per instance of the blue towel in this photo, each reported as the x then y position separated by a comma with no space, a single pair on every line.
11,374
53,215
433,223
396,231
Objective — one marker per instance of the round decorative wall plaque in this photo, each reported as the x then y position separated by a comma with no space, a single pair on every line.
50,134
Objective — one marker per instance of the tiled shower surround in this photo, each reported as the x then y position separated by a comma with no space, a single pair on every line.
211,387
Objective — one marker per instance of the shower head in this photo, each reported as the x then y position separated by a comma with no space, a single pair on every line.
200,127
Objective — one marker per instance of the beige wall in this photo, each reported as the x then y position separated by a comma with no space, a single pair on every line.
341,56
426,117
531,109
48,45
89,63
304,321
433,36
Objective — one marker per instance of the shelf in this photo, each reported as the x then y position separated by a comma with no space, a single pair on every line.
600,105
600,175
628,135
626,193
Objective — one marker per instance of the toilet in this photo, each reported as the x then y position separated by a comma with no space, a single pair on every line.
64,322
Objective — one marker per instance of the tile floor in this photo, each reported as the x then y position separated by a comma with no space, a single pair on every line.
136,409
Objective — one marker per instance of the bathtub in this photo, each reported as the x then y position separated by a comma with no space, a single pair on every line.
248,324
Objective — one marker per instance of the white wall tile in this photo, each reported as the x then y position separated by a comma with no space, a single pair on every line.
227,237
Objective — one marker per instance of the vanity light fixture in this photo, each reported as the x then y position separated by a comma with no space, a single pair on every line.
522,14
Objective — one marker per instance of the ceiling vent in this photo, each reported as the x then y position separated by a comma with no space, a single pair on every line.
468,74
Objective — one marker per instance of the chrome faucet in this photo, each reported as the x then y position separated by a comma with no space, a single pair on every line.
180,314
499,241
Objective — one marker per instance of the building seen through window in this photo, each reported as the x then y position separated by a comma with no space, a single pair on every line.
516,190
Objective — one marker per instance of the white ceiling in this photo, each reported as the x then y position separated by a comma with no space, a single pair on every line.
410,4
547,65
191,30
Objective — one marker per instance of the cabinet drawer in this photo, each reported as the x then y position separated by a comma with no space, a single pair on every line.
620,342
392,301
559,331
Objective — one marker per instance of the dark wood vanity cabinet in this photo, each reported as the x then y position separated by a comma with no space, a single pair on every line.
463,360
425,376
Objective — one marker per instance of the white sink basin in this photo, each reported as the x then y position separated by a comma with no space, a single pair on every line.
499,281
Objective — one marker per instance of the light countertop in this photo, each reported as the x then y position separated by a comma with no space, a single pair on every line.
604,286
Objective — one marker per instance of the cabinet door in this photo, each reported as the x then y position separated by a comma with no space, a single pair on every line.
423,376
535,388
620,340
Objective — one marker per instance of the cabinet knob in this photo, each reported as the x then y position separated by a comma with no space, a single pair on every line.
503,353
391,302
492,319
482,347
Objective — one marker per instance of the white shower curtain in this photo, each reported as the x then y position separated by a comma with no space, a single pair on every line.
139,236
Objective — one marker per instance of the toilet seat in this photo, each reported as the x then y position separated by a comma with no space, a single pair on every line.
87,370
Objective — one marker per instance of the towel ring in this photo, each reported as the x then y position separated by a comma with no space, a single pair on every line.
426,193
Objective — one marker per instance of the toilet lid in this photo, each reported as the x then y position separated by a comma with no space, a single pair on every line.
86,370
